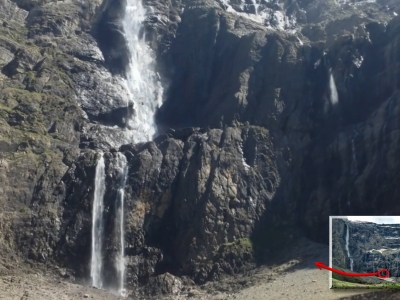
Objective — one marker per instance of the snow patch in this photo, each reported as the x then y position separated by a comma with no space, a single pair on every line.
358,61
380,250
252,202
244,163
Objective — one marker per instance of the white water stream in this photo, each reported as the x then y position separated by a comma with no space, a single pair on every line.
347,248
122,165
332,86
97,225
145,95
143,84
255,6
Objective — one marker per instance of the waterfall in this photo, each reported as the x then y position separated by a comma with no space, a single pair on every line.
145,96
255,6
143,84
332,88
97,224
347,248
122,165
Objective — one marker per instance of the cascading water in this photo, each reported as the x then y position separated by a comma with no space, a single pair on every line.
122,165
143,85
97,224
145,96
347,248
255,6
332,87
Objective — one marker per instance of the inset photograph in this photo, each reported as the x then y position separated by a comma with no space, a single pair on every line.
364,252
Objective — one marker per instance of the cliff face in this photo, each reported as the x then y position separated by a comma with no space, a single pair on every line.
371,246
291,108
327,94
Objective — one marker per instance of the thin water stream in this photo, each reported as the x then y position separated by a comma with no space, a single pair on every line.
97,225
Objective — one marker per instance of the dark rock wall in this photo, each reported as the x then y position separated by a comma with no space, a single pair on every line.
271,148
243,74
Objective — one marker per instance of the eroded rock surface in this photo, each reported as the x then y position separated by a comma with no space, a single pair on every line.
276,115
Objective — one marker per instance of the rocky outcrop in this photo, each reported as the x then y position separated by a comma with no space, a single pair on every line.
180,192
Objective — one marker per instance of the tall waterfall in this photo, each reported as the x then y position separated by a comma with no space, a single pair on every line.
347,248
143,85
122,165
145,96
332,87
97,225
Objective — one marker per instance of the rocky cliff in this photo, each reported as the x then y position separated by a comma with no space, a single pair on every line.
275,115
371,246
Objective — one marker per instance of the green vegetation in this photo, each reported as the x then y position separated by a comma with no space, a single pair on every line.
240,243
346,282
16,35
238,248
336,276
15,95
340,284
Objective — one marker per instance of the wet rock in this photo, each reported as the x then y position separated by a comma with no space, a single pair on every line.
250,135
165,284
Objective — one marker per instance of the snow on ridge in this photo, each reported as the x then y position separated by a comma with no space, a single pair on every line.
349,2
272,19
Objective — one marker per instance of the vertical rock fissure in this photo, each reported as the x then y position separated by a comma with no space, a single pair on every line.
97,225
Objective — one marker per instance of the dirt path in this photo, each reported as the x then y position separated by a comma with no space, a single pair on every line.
310,284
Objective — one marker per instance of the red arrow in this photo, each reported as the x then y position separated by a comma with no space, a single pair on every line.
321,265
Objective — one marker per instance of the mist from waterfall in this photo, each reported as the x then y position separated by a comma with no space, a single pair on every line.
97,225
143,84
332,87
122,165
347,248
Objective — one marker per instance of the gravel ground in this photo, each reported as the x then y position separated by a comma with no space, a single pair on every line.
295,278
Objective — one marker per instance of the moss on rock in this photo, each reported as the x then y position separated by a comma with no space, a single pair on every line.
236,253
